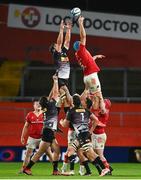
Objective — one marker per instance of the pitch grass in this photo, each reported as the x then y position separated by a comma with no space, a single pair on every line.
44,170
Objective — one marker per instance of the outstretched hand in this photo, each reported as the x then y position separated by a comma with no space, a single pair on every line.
62,24
68,25
55,77
100,56
80,20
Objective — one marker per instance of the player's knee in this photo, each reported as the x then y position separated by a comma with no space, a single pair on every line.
29,153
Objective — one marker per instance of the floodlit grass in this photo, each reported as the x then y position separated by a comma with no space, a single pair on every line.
44,170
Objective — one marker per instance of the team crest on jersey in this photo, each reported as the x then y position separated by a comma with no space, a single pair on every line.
80,110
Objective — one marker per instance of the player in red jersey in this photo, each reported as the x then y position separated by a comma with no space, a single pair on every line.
99,136
87,61
32,128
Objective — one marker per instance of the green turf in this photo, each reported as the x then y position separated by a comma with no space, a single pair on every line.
44,170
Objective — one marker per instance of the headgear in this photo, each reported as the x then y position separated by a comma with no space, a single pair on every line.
76,45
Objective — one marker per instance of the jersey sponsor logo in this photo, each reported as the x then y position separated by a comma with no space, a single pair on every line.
80,110
36,122
64,59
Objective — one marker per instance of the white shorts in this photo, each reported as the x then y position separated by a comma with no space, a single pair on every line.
99,140
32,143
71,136
92,83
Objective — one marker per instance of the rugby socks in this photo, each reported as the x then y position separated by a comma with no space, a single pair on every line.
66,158
85,164
106,164
65,163
82,169
55,165
64,167
98,164
30,164
111,169
72,159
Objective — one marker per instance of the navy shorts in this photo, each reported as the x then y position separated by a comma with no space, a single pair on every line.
62,82
48,135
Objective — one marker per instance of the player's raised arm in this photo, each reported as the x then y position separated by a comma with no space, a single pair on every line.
60,37
68,96
54,91
68,35
82,30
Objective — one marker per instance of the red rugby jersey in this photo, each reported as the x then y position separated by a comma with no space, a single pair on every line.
85,58
36,124
104,119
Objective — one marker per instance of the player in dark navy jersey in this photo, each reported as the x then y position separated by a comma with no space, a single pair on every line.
50,115
79,118
59,52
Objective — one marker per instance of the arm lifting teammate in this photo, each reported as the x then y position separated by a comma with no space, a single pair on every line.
48,105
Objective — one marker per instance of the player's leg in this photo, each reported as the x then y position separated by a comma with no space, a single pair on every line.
86,144
28,154
47,138
84,166
100,140
65,162
71,150
70,139
42,149
32,144
92,83
56,155
49,153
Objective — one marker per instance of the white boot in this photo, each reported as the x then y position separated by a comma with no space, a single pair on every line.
72,172
64,167
82,170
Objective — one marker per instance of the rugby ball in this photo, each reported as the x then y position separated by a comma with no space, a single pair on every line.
76,12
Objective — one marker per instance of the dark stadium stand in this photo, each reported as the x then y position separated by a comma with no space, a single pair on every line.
10,77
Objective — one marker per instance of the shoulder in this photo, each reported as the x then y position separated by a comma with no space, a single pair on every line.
56,54
65,48
82,46
29,114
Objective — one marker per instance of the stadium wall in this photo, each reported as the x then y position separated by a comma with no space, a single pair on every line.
113,154
123,131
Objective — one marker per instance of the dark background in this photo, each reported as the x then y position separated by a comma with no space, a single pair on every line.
129,7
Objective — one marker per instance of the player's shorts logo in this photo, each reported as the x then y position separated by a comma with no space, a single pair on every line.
30,17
